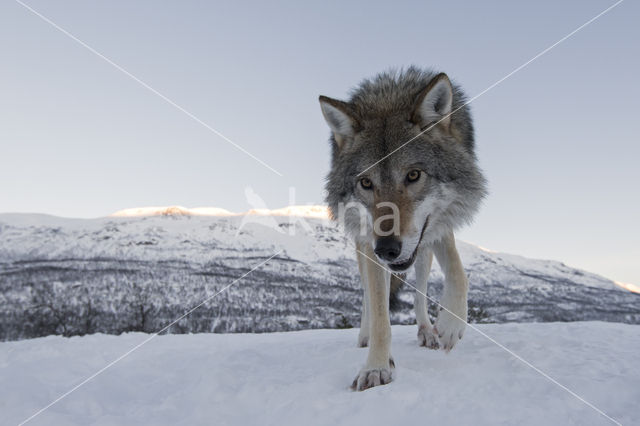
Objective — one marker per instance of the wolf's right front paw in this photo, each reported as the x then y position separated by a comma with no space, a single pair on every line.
370,377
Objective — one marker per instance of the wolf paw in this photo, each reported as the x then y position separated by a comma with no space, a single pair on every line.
363,340
370,377
451,322
427,337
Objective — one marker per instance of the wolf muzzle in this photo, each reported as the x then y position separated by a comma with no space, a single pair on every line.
388,248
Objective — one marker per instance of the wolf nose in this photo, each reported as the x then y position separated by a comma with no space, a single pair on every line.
388,248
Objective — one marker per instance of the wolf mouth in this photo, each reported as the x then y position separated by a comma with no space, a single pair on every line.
403,266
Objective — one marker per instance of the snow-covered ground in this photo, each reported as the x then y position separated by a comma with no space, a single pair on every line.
302,378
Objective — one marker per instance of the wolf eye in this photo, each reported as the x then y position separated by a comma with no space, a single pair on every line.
366,183
413,175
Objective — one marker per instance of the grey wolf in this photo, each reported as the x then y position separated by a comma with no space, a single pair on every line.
405,209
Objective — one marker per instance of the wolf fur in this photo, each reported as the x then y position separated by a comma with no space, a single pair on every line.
403,210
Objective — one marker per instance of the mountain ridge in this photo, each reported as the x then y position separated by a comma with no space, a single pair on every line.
115,274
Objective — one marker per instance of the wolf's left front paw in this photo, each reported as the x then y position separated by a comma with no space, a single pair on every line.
451,321
370,377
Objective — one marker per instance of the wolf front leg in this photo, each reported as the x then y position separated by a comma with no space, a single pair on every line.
426,333
379,365
452,317
363,335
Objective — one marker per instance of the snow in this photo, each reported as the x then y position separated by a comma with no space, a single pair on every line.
171,210
120,274
303,378
300,377
628,286
318,212
302,232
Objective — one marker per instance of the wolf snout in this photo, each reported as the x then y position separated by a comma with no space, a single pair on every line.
388,248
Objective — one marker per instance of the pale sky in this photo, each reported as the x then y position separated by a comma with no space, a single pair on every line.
558,140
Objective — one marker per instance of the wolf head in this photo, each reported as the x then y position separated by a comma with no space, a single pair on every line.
393,194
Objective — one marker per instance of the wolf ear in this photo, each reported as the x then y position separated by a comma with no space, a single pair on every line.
434,102
340,118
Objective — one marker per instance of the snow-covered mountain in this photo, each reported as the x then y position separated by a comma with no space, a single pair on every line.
141,268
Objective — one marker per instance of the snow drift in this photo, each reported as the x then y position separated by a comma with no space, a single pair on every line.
303,377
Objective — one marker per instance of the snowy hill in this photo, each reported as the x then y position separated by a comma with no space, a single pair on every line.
140,269
302,378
